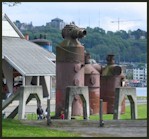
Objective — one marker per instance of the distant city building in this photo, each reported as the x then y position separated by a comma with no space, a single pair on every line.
142,37
140,74
56,23
137,76
23,26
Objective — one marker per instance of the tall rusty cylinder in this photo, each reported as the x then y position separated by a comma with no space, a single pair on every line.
92,80
107,91
69,66
110,79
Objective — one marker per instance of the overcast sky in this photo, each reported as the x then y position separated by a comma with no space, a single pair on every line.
92,14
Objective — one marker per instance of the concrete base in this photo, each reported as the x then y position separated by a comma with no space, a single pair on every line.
25,92
120,93
71,92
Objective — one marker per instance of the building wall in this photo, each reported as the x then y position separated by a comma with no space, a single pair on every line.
140,74
56,23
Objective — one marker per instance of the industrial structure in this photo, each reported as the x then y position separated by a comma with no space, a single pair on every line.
73,68
25,59
80,84
110,79
69,65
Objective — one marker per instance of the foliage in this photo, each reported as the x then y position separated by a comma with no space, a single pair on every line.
10,4
128,47
125,46
52,34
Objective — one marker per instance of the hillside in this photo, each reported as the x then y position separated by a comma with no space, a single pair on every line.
128,46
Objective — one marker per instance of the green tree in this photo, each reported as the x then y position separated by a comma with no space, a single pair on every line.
10,4
99,43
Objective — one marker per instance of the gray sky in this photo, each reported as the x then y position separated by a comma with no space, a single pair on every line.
92,14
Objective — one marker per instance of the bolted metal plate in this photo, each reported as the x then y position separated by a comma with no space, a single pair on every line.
92,80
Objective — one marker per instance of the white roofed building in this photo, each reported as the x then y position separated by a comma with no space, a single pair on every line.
21,57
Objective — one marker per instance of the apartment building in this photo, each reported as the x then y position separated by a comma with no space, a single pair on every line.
57,23
140,74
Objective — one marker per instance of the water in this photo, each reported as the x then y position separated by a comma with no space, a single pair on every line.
141,91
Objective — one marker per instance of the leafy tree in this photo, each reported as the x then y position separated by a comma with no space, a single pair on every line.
99,43
10,4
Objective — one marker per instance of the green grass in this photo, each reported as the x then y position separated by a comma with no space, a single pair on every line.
33,116
142,111
141,97
13,128
142,114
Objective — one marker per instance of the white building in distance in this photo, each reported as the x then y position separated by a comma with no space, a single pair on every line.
57,23
140,74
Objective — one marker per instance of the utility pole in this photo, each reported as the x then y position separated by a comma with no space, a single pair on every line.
119,21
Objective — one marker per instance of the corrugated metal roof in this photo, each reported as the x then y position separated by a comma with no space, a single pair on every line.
28,58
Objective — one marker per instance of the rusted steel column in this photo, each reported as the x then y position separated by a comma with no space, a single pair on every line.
92,80
69,65
107,91
69,72
110,79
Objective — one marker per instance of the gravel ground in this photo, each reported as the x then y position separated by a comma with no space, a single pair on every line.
89,128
